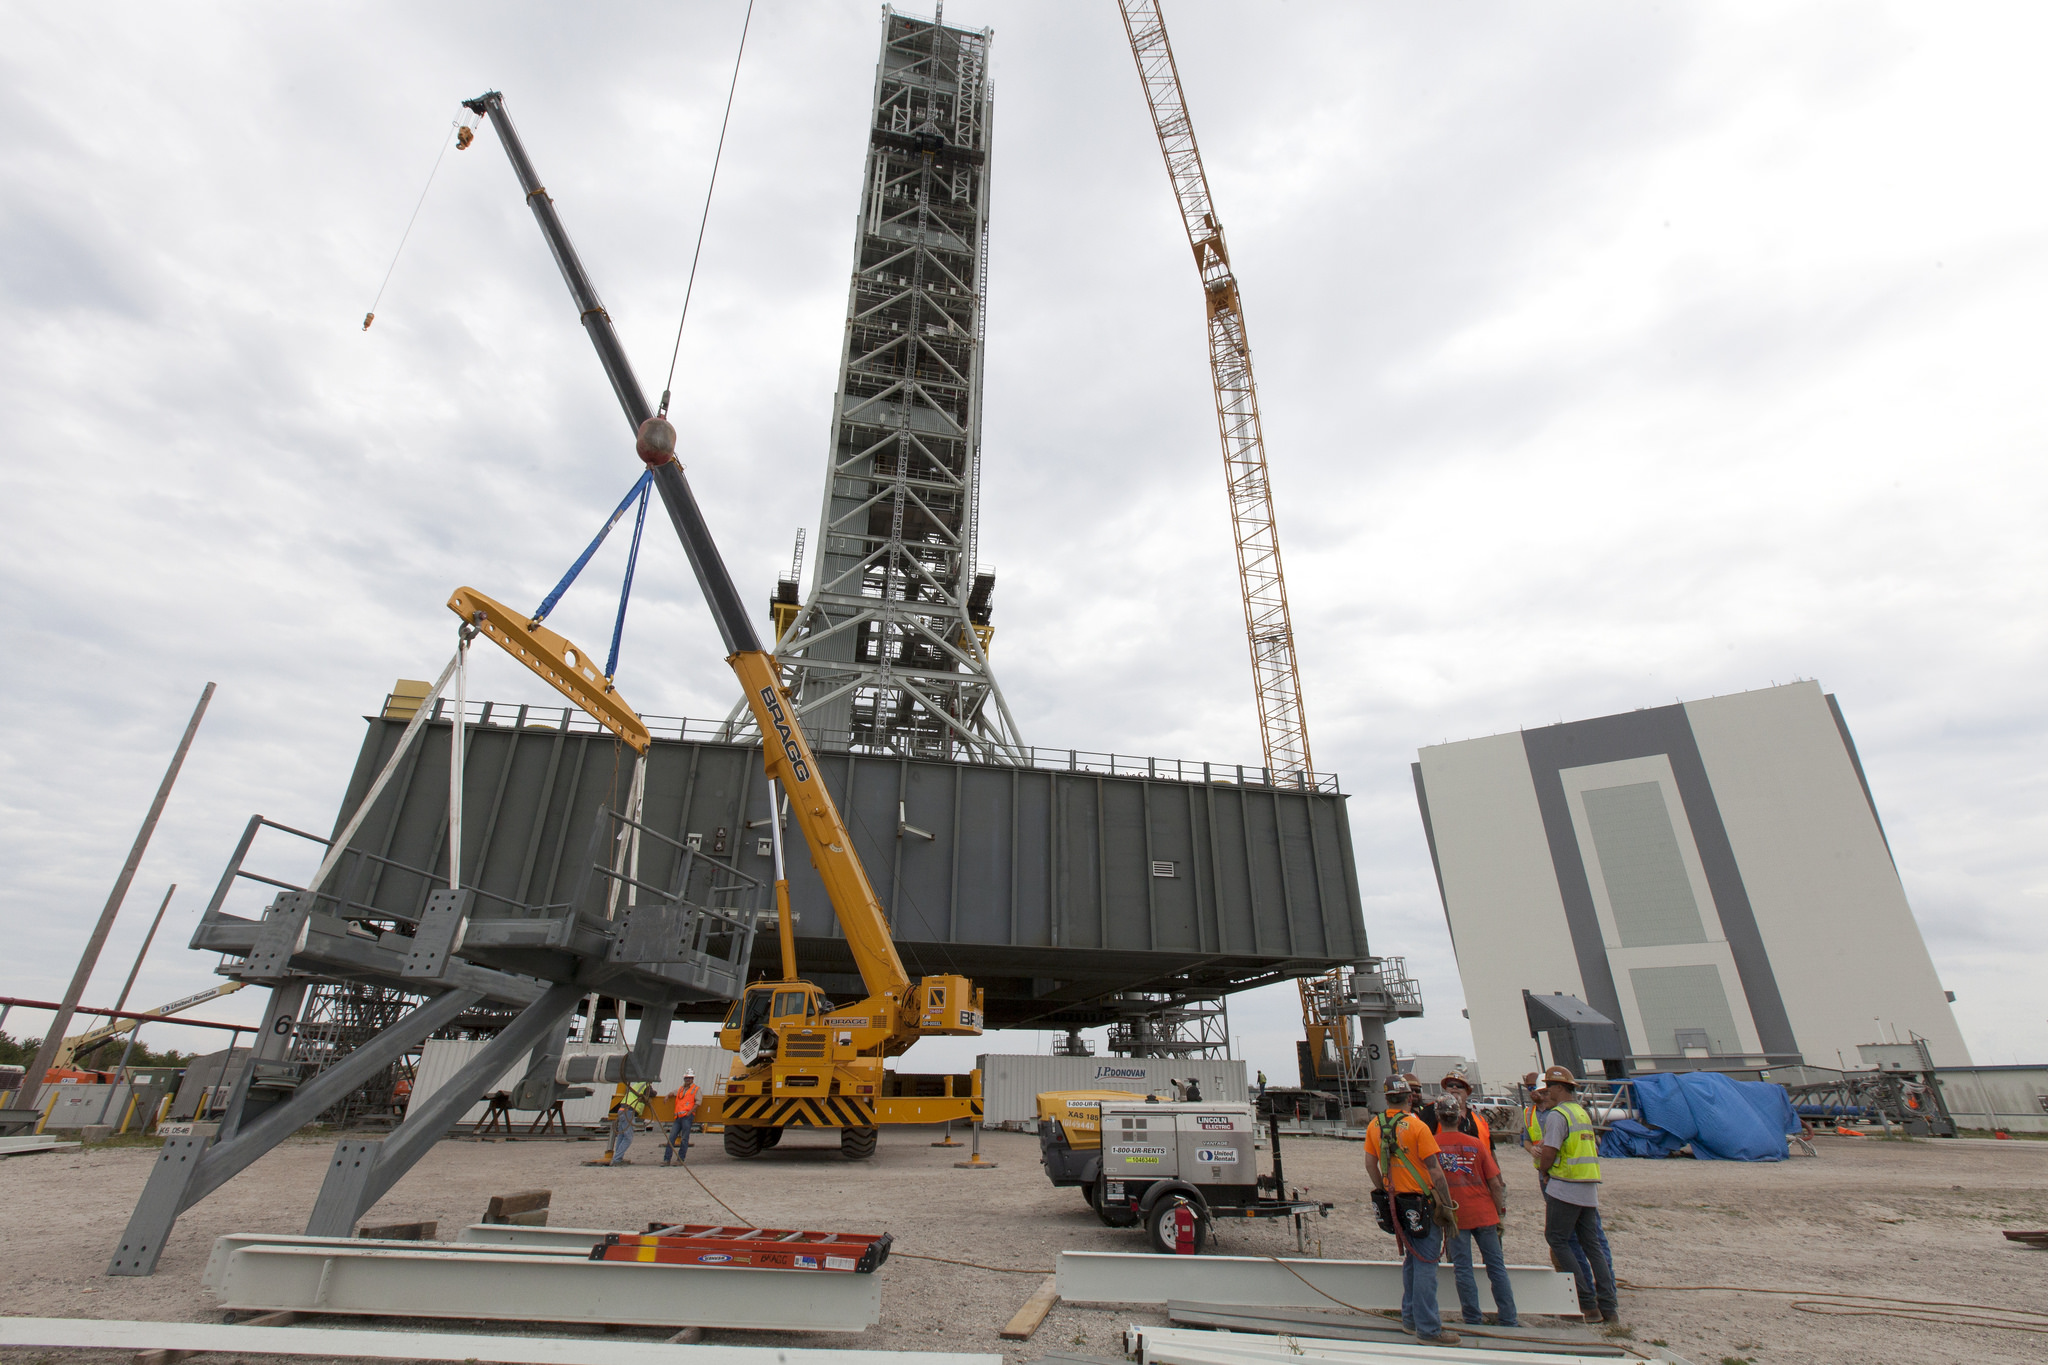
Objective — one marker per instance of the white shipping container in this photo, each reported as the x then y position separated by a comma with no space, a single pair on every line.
1012,1082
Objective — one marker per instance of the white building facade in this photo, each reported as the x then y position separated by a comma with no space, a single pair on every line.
1710,875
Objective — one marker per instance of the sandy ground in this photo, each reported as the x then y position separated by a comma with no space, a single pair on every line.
1917,1220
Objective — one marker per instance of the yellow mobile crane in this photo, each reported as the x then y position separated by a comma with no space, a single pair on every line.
801,1061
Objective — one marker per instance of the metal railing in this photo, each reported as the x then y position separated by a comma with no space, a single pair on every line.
694,729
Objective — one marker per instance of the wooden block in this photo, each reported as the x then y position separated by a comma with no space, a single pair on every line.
503,1206
275,1319
402,1232
1033,1312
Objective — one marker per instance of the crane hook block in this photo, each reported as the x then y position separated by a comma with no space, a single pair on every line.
559,661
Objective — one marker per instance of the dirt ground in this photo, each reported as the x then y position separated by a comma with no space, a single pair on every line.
1916,1220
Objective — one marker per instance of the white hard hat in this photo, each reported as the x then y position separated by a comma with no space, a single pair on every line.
689,1075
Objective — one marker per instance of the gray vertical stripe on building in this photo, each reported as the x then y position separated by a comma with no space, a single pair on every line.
1436,863
1856,762
1644,734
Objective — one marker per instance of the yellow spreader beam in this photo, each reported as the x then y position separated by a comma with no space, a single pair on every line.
559,661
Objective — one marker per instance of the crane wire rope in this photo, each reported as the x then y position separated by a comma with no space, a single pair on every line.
668,384
371,316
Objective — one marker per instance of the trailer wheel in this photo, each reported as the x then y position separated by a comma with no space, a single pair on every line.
741,1142
1088,1193
1176,1227
769,1137
858,1144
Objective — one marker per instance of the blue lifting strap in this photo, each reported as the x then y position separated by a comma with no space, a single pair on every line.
611,664
639,491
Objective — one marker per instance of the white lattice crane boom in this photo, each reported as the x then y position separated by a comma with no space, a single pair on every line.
1275,677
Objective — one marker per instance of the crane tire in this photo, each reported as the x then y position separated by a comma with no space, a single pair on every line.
769,1137
858,1144
741,1142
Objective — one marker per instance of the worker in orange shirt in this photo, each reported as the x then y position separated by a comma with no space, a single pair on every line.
1413,1202
678,1144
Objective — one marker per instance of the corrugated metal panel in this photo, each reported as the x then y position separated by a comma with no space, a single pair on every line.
1012,1082
1052,889
441,1058
2011,1097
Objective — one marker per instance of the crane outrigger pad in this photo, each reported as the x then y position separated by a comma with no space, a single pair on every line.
767,1248
559,661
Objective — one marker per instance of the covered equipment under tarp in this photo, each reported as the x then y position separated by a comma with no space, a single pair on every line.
1722,1119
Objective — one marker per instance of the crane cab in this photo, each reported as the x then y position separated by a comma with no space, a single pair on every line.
764,1011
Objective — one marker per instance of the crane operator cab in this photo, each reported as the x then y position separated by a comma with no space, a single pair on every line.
757,1019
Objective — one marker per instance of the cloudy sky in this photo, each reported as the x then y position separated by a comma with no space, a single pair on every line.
1610,354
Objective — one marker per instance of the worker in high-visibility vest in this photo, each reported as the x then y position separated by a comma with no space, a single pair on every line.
678,1144
626,1115
1568,1168
1532,1113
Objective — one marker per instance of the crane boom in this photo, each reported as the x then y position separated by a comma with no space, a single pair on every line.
114,1028
1276,679
786,751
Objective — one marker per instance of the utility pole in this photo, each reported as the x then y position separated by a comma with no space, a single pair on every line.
128,1051
90,958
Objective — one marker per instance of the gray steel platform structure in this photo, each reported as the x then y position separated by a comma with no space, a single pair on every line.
1075,889
888,654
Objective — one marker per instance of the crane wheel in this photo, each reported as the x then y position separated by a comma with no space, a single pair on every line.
769,1137
858,1144
741,1142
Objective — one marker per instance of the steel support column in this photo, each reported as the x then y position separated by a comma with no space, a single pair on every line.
190,1168
364,1169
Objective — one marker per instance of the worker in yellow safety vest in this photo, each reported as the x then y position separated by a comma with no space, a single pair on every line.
1532,1113
1568,1169
626,1115
678,1144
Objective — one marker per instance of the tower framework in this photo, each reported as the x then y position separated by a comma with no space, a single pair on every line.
1276,676
889,652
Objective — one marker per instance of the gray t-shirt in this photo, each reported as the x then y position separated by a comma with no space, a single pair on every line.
1556,1128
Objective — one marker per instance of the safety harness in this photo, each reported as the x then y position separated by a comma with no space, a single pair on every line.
1390,1142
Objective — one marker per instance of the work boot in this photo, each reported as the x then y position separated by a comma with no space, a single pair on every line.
1610,1317
1444,1338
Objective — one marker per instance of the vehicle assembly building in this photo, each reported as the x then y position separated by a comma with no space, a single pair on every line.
1713,876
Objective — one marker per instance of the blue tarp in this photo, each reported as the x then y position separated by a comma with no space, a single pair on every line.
1723,1119
1626,1137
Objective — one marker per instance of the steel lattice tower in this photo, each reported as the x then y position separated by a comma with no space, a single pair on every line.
889,652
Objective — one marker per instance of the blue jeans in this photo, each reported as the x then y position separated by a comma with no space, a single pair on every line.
678,1144
1496,1274
1418,1282
622,1135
